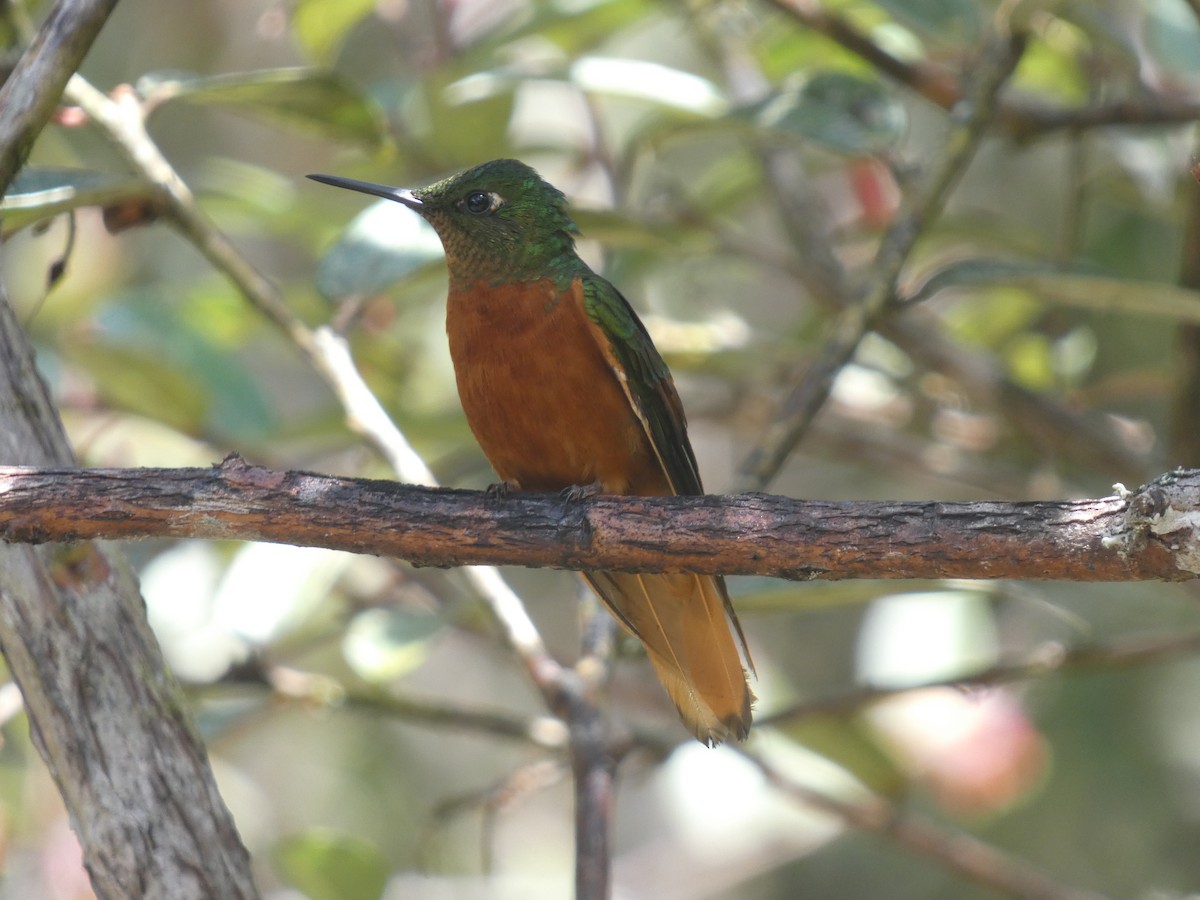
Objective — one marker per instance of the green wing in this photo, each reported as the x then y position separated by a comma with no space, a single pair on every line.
647,382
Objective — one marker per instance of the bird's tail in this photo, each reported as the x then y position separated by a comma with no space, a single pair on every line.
688,627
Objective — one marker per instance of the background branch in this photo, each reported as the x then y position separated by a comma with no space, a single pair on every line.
812,387
1038,663
1022,121
959,852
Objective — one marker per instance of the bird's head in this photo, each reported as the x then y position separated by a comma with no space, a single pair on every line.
498,222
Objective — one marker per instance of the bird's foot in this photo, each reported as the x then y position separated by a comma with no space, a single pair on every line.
500,490
577,492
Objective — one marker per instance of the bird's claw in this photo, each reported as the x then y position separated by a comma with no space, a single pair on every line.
500,490
577,492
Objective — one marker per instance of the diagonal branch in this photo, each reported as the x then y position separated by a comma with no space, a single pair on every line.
958,852
1153,533
816,266
1022,121
933,83
811,391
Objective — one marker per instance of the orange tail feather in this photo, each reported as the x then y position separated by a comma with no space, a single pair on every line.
688,628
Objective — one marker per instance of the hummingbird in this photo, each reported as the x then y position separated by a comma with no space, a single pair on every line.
565,391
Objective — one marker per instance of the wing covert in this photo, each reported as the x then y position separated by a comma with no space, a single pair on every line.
646,380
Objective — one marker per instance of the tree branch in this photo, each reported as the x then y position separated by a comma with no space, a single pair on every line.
104,712
31,92
1028,121
1148,534
306,689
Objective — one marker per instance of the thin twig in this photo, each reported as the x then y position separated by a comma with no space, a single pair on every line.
595,769
1028,122
596,749
308,689
934,84
1041,662
494,799
1020,121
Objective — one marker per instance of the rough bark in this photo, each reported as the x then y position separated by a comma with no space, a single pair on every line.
104,713
31,92
1147,534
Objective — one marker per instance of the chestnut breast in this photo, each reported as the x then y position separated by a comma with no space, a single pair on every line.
539,393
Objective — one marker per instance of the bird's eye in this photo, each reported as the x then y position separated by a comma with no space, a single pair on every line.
478,203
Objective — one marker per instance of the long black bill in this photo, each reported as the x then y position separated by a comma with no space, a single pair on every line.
400,195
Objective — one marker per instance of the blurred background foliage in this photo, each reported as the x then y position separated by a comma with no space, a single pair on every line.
733,171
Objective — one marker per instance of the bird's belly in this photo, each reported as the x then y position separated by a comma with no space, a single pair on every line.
541,399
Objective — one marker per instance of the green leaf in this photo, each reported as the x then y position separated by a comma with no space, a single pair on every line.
649,81
1082,289
468,117
383,644
130,378
576,28
995,316
383,244
41,192
190,379
328,866
320,26
949,20
311,100
1031,359
1052,71
842,112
